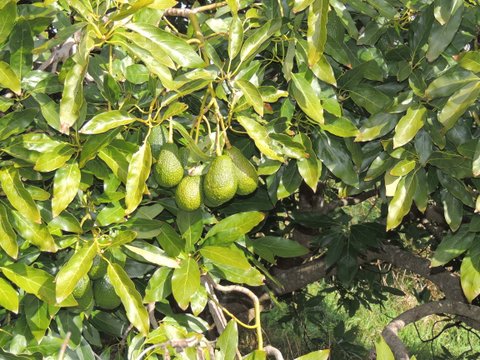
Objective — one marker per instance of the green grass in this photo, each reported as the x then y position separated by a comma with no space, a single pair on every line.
306,323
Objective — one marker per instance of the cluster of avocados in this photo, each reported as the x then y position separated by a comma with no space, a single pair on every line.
228,175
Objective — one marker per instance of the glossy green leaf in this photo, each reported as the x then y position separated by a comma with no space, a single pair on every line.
159,286
226,256
65,187
72,98
154,257
317,30
252,95
310,168
8,79
36,282
228,341
340,126
55,159
409,125
170,241
444,9
74,269
8,296
289,180
18,196
458,103
235,37
452,210
185,282
106,121
384,8
176,48
233,227
441,35
258,38
457,188
335,157
21,45
259,135
306,98
376,126
131,299
8,12
470,273
8,238
36,234
401,203
471,61
50,110
37,316
279,246
452,246
421,190
403,167
138,172
450,82
370,98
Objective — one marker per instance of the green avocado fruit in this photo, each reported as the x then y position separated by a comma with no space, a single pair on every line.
168,169
104,294
220,183
245,172
189,194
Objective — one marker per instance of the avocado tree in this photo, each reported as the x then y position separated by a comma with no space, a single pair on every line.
157,155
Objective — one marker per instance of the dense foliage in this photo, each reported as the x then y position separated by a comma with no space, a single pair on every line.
108,105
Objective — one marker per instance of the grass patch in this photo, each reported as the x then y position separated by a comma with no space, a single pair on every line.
312,320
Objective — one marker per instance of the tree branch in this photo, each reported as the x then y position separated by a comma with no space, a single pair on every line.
390,333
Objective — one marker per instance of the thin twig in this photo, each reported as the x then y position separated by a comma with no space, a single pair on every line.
63,348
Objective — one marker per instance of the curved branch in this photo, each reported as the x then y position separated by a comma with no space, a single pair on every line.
390,333
298,277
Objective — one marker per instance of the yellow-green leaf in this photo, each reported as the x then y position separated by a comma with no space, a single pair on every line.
470,273
260,136
185,282
252,95
65,186
138,172
401,203
306,98
8,238
409,125
8,296
37,234
75,268
18,196
108,120
131,299
317,30
8,79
